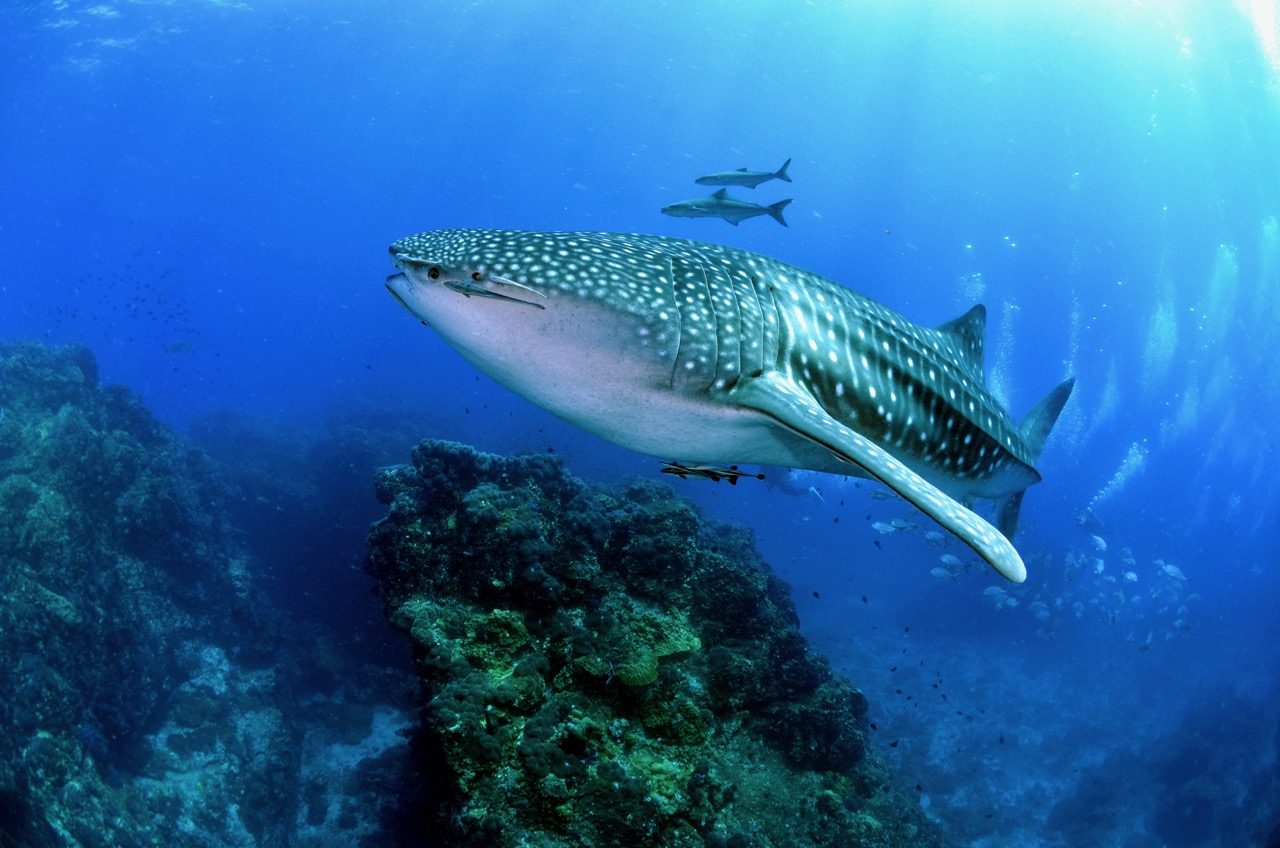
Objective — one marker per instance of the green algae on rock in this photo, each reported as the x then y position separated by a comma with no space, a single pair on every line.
603,666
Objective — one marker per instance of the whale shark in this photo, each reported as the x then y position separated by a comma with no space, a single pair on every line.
712,354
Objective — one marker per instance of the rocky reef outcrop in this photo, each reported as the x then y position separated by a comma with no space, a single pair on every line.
131,634
150,693
601,666
604,666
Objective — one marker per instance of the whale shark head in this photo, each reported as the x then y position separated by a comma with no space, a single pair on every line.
582,324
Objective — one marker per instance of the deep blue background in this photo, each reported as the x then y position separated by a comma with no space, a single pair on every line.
204,192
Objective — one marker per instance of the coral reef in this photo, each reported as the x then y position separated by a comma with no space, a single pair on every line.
122,599
603,666
149,695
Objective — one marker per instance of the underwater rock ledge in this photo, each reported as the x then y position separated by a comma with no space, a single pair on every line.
604,666
151,694
138,705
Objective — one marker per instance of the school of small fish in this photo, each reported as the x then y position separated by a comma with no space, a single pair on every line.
1149,602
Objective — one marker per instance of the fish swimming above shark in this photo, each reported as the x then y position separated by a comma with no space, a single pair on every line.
721,205
743,177
713,355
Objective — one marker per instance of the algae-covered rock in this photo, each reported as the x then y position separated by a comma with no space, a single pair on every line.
603,666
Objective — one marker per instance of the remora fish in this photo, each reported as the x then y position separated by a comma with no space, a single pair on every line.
743,177
715,473
721,205
721,356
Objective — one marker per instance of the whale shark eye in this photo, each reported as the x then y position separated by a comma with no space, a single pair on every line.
475,275
434,273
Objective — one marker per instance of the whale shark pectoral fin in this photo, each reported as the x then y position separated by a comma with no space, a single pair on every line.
797,410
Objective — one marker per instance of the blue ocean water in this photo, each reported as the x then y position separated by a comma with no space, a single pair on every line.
203,192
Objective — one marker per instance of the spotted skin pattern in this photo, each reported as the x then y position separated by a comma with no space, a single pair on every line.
800,370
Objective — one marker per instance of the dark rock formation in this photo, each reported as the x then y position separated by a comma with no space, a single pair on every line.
149,693
606,667
132,647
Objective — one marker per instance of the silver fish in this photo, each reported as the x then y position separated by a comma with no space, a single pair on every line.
743,177
721,205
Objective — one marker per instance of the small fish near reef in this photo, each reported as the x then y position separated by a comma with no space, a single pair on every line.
721,205
743,177
715,473
717,355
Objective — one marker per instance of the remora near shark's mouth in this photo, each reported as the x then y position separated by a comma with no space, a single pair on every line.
711,354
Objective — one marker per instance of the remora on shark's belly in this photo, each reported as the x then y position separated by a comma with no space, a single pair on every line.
711,354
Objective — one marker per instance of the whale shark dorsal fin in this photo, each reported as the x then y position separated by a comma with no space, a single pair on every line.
1035,428
968,335
794,408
